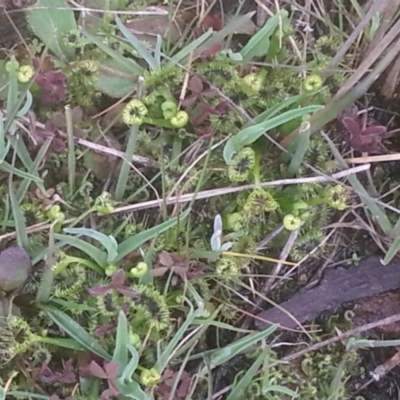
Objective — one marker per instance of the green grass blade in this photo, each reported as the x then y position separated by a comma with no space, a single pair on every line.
258,45
392,251
44,291
132,365
71,150
220,325
100,257
250,134
20,226
121,342
138,45
126,164
378,215
157,51
270,112
136,241
33,170
109,242
302,143
12,96
5,166
27,395
238,391
179,57
172,344
28,105
221,356
279,389
70,344
3,148
125,62
25,157
75,331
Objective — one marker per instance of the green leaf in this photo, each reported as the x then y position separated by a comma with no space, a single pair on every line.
113,79
73,329
95,254
132,390
270,112
108,242
51,23
121,342
138,45
252,133
136,241
301,144
238,391
129,370
28,105
258,45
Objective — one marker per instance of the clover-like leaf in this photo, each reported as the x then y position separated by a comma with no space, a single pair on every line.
15,266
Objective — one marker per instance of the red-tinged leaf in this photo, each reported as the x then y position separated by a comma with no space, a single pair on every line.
102,330
184,388
99,290
189,101
195,84
159,271
181,271
212,21
352,126
96,371
165,258
109,393
375,130
209,109
112,369
125,291
194,274
212,51
365,144
118,278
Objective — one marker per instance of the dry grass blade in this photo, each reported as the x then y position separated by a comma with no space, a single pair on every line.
369,60
376,7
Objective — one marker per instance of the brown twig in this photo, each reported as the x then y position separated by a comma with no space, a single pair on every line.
345,335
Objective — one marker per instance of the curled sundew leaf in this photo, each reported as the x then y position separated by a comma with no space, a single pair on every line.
15,266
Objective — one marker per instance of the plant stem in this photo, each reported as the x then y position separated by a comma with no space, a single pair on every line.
71,150
46,282
176,151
